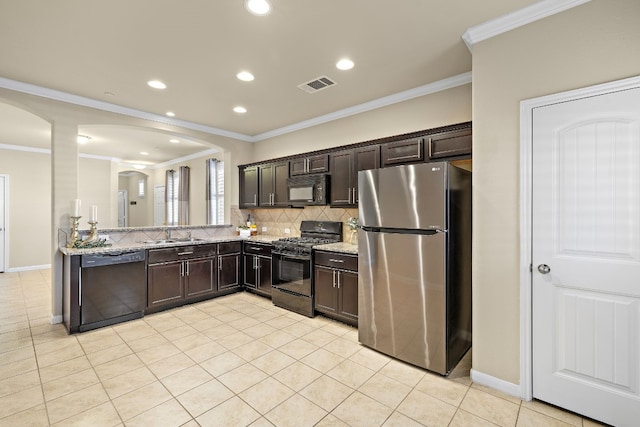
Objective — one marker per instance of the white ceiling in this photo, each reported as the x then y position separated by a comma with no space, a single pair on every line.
197,47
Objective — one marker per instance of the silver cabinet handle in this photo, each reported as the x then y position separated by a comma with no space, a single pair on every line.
334,278
187,268
544,269
339,274
354,195
255,199
220,263
255,248
185,253
336,260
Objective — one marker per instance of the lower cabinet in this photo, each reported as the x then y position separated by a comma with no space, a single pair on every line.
182,274
257,267
336,286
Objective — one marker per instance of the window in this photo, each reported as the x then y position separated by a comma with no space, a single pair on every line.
177,196
141,187
215,191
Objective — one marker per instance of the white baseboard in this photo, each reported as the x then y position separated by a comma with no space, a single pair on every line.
56,319
28,268
496,383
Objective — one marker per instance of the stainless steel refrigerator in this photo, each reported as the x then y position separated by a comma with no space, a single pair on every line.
414,263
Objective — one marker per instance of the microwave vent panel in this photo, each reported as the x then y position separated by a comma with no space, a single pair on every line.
317,84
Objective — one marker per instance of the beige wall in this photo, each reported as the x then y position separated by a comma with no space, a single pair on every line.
94,188
29,216
429,111
590,44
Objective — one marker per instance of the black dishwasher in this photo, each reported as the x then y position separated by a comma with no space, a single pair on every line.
112,288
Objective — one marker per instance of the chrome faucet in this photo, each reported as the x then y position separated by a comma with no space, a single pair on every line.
189,234
167,234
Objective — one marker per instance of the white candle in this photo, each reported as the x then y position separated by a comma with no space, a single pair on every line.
94,213
75,207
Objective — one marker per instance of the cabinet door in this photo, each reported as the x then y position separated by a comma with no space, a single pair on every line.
401,152
165,285
249,268
318,164
348,303
199,277
341,178
280,176
265,192
249,187
366,158
228,271
264,274
326,293
449,144
298,166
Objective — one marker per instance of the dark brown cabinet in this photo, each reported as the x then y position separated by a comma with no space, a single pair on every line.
336,286
402,152
311,164
345,166
273,184
248,187
179,274
229,265
257,267
449,144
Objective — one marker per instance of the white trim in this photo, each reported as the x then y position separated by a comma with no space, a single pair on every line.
95,156
11,147
495,383
526,181
5,260
185,158
56,319
517,19
29,268
444,84
113,108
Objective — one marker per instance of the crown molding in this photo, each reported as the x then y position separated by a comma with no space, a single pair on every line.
185,158
440,85
114,108
516,19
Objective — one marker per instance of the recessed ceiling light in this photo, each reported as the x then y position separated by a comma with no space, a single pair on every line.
239,109
174,141
144,153
157,84
170,114
258,7
344,64
83,139
245,76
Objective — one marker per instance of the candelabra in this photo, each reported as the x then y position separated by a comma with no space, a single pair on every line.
93,233
75,235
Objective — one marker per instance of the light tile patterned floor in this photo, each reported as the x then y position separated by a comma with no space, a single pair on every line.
232,361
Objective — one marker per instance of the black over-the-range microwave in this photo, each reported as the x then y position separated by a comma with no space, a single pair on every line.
308,190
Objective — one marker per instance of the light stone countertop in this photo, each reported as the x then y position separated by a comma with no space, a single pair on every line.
129,246
346,248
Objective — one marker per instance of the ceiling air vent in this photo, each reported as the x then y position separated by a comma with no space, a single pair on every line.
317,84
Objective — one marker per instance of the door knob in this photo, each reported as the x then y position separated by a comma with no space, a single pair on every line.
544,269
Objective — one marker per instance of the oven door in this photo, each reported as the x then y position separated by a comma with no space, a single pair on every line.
291,273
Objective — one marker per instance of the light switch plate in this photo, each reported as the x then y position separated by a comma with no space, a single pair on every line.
287,231
264,229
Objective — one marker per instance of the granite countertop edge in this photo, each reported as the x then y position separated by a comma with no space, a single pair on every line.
341,247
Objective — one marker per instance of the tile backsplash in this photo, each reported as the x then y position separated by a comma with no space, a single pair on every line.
276,220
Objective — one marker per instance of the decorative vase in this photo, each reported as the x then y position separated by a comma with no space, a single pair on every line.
353,238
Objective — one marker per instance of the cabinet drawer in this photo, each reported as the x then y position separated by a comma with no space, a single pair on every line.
229,247
400,152
449,144
336,260
257,248
179,253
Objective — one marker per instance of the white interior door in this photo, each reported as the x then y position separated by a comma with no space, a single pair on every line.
123,208
3,222
586,256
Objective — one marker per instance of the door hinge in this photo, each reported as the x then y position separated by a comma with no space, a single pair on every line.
530,268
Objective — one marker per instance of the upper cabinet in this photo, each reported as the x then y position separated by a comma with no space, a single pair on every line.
248,187
345,166
265,185
273,184
309,164
449,144
402,152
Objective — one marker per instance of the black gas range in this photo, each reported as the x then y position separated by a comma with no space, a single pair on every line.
291,262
